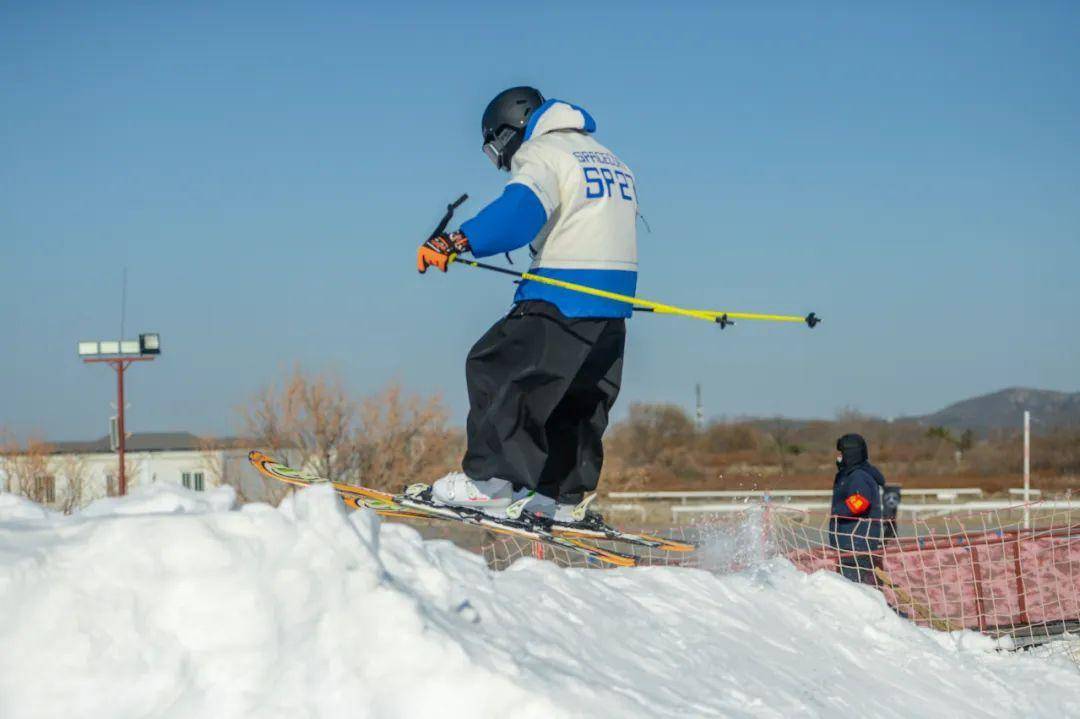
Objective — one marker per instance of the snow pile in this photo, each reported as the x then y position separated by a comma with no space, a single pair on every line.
13,507
163,499
172,603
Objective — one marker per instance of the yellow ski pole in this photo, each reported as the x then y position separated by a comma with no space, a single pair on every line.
719,317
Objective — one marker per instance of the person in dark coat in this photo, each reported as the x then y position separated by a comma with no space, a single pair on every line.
855,524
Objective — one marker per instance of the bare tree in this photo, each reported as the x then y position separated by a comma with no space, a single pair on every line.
390,439
72,467
852,417
305,421
26,468
401,439
652,432
132,471
309,416
215,462
7,444
780,431
133,465
212,458
326,416
268,419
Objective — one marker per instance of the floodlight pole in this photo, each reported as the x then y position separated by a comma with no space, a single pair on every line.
120,364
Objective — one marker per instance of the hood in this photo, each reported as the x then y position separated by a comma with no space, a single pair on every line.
852,448
558,115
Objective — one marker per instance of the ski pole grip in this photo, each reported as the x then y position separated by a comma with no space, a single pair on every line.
449,215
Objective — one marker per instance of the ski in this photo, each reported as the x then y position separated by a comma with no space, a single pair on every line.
611,534
589,528
388,504
478,519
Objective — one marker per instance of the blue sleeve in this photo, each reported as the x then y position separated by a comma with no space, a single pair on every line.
510,222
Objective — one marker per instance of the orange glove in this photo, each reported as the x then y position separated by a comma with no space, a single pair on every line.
438,250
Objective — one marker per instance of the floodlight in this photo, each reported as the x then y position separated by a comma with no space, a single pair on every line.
150,343
120,355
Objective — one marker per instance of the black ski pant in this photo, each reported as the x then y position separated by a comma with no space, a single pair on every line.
541,386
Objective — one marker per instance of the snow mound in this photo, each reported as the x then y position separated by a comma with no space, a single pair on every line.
172,603
14,508
163,499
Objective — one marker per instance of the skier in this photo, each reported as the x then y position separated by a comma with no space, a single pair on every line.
543,379
855,527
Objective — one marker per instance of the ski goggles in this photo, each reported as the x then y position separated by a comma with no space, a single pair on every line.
496,145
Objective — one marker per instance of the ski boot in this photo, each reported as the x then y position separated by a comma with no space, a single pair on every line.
491,496
532,505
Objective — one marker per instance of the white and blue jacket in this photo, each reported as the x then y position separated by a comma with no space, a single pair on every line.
574,203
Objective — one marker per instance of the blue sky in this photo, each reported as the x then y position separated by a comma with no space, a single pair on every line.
909,171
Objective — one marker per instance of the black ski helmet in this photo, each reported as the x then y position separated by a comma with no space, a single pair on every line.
504,121
853,450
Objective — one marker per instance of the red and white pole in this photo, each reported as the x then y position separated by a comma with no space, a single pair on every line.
1027,469
120,366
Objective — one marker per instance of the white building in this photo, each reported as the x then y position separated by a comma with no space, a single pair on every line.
76,473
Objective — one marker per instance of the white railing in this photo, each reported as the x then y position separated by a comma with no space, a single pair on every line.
934,500
1019,492
727,507
943,494
915,509
719,494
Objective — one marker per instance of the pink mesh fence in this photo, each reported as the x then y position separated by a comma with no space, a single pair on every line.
1012,571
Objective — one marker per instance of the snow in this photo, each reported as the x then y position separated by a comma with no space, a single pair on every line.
14,507
163,499
171,603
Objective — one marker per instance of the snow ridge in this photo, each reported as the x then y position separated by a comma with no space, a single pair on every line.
173,603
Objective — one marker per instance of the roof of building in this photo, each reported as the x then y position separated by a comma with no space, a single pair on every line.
149,442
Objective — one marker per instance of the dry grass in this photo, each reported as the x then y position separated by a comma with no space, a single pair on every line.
658,447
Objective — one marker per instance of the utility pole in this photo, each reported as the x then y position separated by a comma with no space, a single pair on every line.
120,355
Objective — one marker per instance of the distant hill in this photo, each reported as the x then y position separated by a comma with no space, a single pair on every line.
1005,410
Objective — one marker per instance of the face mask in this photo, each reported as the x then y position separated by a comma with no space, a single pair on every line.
839,461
